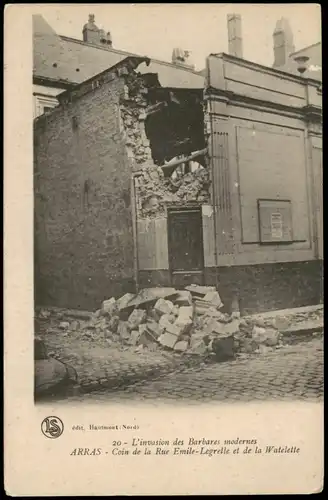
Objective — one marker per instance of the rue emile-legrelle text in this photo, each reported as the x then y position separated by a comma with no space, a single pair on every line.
202,446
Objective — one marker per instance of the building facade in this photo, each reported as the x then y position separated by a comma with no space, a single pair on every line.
143,184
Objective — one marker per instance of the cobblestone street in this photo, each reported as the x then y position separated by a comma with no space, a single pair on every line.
295,372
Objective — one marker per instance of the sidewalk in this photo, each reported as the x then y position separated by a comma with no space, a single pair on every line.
101,363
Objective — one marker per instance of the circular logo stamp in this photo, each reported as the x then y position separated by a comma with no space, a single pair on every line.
52,427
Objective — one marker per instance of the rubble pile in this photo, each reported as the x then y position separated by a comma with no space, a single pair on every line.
189,321
153,189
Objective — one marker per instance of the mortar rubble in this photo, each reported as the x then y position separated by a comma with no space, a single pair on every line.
156,319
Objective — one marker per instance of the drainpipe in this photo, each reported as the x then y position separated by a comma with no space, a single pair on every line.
135,229
214,199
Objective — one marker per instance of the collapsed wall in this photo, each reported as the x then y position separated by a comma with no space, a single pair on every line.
165,141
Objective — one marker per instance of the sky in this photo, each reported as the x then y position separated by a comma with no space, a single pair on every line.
155,29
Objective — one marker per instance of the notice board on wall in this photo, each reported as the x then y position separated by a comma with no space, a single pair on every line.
275,221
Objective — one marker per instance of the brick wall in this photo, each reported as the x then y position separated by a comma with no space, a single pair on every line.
83,222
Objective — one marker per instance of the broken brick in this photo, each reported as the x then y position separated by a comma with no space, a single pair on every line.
109,306
184,298
63,325
113,323
145,337
184,320
248,346
186,312
148,296
163,306
167,340
198,348
124,302
137,317
200,290
166,319
154,329
123,330
224,329
196,338
213,299
134,337
181,346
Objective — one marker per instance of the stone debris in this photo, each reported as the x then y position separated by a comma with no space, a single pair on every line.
63,325
265,336
109,306
200,291
166,320
163,306
189,321
123,330
183,298
181,346
137,317
168,339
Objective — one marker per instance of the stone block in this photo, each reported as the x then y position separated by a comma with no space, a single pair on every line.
266,336
123,330
134,337
223,348
199,348
273,337
163,306
264,349
181,346
137,317
168,340
186,312
213,299
113,323
154,329
281,323
166,319
63,325
184,298
124,301
174,330
248,346
109,307
183,324
196,338
175,310
200,290
223,329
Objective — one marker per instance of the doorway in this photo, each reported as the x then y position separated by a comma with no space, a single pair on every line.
185,246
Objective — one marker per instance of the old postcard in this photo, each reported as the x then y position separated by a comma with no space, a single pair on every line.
163,249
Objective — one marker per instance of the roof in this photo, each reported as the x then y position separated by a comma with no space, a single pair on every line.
313,45
314,69
67,59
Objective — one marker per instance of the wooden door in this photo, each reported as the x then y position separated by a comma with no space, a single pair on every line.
185,246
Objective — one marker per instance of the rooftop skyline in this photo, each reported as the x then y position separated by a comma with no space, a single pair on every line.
155,29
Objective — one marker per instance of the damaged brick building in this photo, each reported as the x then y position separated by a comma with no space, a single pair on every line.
140,184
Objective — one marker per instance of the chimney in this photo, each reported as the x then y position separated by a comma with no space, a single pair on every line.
92,34
283,42
235,41
180,58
